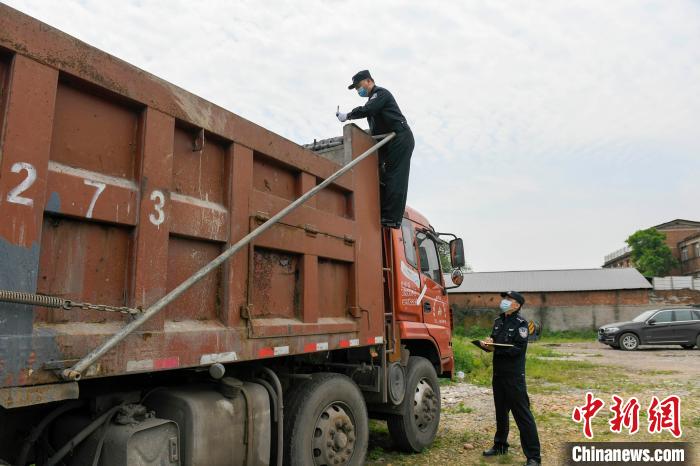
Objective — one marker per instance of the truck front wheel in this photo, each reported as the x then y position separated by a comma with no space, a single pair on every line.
326,422
415,426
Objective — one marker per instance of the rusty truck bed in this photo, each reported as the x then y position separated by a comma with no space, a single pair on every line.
115,186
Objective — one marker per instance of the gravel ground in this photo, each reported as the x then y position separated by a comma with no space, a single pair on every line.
467,424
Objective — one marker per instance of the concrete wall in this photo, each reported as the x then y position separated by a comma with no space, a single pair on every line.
569,310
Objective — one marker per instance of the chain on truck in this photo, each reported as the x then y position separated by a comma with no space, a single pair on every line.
181,286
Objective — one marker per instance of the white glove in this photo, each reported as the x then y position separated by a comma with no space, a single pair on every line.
342,117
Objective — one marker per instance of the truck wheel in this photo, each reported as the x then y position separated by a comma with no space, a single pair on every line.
629,341
326,423
415,427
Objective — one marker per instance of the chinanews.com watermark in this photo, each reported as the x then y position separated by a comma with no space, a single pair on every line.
660,415
629,453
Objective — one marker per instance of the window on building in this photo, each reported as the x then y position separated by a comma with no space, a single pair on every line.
429,262
409,244
683,315
663,316
684,253
697,249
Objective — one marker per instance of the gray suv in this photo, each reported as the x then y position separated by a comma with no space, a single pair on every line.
677,326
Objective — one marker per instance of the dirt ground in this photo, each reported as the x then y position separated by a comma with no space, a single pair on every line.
468,423
646,358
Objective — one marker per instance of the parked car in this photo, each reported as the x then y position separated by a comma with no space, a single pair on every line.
677,326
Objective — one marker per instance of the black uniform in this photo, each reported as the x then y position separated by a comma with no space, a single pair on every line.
384,116
509,388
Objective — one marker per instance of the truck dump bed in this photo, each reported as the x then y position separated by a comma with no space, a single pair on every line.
115,186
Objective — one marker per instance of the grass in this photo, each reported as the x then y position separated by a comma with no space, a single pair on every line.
544,375
459,409
562,336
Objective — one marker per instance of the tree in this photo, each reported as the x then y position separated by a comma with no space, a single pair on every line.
444,253
650,253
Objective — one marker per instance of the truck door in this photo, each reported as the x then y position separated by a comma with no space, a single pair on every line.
433,298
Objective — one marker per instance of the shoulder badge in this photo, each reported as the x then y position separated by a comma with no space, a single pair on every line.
523,332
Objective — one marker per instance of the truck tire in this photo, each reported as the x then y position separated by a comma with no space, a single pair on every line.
326,423
415,426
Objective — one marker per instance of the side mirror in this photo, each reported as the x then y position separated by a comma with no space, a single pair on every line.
457,277
651,322
457,253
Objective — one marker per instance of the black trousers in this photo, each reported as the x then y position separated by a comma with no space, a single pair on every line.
510,395
394,168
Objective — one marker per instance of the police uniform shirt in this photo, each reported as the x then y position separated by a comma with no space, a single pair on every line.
382,112
512,329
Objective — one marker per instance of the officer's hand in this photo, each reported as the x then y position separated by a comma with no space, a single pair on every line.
342,117
486,344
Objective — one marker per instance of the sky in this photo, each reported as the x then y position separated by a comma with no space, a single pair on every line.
546,131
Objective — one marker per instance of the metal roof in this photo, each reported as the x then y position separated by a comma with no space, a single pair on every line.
552,280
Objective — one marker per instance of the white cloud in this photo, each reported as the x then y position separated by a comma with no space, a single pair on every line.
560,127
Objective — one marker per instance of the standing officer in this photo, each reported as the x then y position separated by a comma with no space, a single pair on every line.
384,116
509,389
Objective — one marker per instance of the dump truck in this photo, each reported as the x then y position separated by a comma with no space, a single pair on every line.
179,285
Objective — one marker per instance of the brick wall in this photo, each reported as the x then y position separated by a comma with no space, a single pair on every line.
558,298
578,310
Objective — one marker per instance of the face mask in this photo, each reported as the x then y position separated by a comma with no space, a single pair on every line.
362,91
505,305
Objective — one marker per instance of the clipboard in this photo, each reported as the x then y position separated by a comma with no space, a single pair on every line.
477,343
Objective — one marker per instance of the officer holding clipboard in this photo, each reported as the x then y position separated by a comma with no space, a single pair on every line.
508,342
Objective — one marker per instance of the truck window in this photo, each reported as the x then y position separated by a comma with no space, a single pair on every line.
429,262
409,245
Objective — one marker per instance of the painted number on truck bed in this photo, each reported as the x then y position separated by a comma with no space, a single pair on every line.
159,198
14,194
100,187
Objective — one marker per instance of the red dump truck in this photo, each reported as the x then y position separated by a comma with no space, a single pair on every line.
116,188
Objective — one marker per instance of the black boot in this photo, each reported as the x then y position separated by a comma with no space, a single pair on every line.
533,462
495,451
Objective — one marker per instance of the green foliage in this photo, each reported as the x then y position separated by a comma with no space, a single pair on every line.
650,253
445,261
444,253
477,364
461,408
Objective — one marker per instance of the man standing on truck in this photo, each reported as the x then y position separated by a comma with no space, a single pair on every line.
509,388
384,116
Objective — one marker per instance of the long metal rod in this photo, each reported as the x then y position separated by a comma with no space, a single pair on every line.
74,373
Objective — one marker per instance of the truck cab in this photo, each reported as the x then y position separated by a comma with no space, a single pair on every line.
420,303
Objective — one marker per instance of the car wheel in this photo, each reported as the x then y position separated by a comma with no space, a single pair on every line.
629,342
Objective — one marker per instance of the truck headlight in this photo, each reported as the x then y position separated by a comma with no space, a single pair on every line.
611,329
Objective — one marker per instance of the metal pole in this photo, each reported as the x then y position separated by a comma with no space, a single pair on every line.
74,373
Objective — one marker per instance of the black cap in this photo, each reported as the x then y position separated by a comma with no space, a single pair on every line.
359,76
514,295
